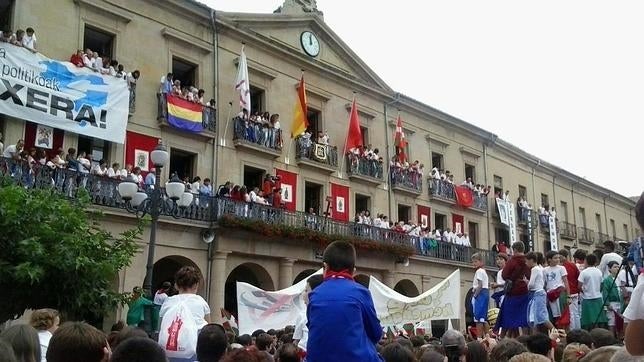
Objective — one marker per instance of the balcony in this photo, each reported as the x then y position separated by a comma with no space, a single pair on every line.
364,170
208,117
480,203
407,181
585,235
315,155
203,210
601,237
256,137
567,230
442,191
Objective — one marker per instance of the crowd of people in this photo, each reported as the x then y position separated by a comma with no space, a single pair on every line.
170,86
306,147
366,161
406,174
261,128
22,38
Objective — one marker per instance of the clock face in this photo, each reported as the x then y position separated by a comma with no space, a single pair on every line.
310,43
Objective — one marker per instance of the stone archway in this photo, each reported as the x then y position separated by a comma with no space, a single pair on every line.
362,279
250,273
407,288
303,275
165,268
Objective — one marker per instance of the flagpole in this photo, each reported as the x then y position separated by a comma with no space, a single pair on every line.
346,138
222,141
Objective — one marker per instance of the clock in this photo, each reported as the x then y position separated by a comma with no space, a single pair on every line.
310,44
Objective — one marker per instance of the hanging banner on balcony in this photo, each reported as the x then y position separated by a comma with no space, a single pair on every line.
512,223
529,230
340,202
260,309
424,213
439,303
457,223
138,148
287,182
504,211
60,95
554,238
185,115
464,196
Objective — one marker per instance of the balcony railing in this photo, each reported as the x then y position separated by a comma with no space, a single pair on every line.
480,202
601,237
132,102
103,191
585,235
362,168
406,180
257,134
567,230
307,150
442,190
208,117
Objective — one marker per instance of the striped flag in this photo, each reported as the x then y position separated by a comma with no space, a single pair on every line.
300,122
242,84
400,142
184,115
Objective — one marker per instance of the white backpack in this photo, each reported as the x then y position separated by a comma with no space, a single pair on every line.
178,332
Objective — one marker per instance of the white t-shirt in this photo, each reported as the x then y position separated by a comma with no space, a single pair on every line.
195,303
44,337
160,298
301,332
500,281
537,278
635,309
622,278
29,42
607,258
481,275
9,152
591,281
554,276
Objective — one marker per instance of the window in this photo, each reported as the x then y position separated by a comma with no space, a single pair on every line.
404,213
315,122
598,220
473,233
564,210
97,148
470,172
523,192
253,177
502,234
185,72
545,202
498,185
363,203
257,99
612,228
6,11
365,135
626,237
312,197
437,161
582,216
439,221
98,41
182,163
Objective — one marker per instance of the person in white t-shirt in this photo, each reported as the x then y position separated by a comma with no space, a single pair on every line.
499,285
609,255
537,309
46,322
556,284
187,281
13,151
592,304
29,40
480,295
301,333
625,281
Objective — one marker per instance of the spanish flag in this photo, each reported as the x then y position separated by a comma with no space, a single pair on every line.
300,123
185,115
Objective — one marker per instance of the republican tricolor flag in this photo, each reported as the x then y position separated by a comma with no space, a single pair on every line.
185,115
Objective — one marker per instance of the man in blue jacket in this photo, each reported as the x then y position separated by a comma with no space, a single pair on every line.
342,320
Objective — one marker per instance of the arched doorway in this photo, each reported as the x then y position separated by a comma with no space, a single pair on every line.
303,275
165,268
407,288
250,273
362,279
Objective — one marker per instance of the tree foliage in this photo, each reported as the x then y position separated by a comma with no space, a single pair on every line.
54,254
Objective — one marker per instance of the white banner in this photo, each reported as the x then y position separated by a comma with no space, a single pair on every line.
504,212
554,238
259,309
512,223
441,302
61,95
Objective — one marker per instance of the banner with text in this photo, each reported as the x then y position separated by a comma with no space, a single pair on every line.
259,309
512,223
439,303
61,95
554,237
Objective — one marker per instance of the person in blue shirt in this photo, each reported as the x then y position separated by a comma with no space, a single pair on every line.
342,320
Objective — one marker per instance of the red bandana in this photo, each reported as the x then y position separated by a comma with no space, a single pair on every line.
342,274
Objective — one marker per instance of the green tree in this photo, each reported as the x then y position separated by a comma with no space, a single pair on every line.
54,254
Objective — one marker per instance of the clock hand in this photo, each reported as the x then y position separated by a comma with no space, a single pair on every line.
310,40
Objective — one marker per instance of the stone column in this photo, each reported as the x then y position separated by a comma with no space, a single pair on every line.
286,273
388,279
426,280
218,289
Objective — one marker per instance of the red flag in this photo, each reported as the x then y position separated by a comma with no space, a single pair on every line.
457,224
464,196
340,202
354,138
423,216
288,184
400,142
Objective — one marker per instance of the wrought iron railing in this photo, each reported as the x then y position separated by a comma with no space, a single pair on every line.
406,178
480,202
259,134
103,191
305,149
208,114
601,237
363,167
585,234
567,230
441,189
